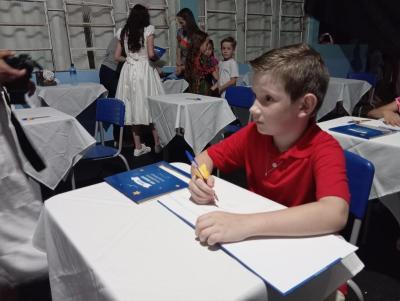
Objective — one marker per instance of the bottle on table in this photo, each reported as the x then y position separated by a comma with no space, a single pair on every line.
73,75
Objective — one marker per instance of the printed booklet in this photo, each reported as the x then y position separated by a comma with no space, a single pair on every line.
148,181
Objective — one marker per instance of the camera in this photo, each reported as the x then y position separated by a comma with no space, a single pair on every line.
20,86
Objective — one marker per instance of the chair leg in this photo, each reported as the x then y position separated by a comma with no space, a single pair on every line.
356,289
355,231
125,161
73,179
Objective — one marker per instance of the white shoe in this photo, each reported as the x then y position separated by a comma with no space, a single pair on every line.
157,148
141,151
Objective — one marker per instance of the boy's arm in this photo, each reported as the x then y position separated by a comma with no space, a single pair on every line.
327,215
231,82
389,112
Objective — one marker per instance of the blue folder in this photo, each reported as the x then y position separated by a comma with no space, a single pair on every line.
147,182
360,131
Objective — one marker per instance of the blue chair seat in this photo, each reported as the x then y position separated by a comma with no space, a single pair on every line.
360,173
232,128
239,97
99,152
109,111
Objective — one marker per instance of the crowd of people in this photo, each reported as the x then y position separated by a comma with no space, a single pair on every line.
286,156
129,74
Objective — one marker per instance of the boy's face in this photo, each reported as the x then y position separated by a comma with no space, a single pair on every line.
227,50
273,111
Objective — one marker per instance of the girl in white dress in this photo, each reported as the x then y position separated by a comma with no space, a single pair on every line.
138,78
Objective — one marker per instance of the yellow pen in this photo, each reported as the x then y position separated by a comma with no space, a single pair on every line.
201,171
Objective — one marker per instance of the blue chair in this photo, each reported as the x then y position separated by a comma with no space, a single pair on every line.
360,174
238,97
112,111
371,78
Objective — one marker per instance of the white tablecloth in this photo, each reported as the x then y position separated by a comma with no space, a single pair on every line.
174,86
70,99
349,91
383,152
59,139
201,117
102,246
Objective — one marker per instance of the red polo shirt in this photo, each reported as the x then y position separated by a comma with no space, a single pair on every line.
314,167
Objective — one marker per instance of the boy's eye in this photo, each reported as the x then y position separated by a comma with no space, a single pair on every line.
268,98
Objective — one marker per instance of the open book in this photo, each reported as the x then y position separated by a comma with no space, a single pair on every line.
284,263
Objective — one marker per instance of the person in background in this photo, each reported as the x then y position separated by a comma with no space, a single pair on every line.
188,27
139,79
109,74
110,68
212,63
202,66
199,66
228,67
20,262
389,113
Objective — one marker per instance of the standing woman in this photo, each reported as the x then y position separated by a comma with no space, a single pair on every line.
138,79
188,28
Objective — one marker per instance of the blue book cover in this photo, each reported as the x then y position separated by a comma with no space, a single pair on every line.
148,181
360,131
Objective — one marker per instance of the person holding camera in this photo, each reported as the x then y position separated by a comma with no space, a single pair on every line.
20,262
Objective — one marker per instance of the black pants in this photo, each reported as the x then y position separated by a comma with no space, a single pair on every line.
109,79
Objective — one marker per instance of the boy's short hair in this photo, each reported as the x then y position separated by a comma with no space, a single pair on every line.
299,67
229,40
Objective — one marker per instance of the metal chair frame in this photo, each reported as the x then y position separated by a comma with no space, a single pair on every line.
105,112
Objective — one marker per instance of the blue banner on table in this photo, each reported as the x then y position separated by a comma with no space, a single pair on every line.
360,131
147,182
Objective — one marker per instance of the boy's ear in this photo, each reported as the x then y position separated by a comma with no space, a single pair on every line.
308,104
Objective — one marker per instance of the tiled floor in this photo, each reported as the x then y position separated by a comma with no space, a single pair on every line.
380,280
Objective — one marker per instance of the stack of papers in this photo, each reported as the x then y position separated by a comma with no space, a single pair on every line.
284,263
362,131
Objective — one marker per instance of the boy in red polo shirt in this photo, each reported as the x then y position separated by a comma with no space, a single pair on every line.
286,156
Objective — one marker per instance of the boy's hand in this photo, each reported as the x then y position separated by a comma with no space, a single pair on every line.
391,118
202,193
220,227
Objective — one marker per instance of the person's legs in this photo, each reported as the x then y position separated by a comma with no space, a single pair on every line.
140,149
157,146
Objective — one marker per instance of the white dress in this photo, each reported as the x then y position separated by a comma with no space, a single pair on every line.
138,80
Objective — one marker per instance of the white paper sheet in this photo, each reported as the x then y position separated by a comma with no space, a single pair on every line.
284,263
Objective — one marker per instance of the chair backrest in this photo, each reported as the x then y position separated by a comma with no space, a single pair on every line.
360,174
239,96
111,110
371,78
